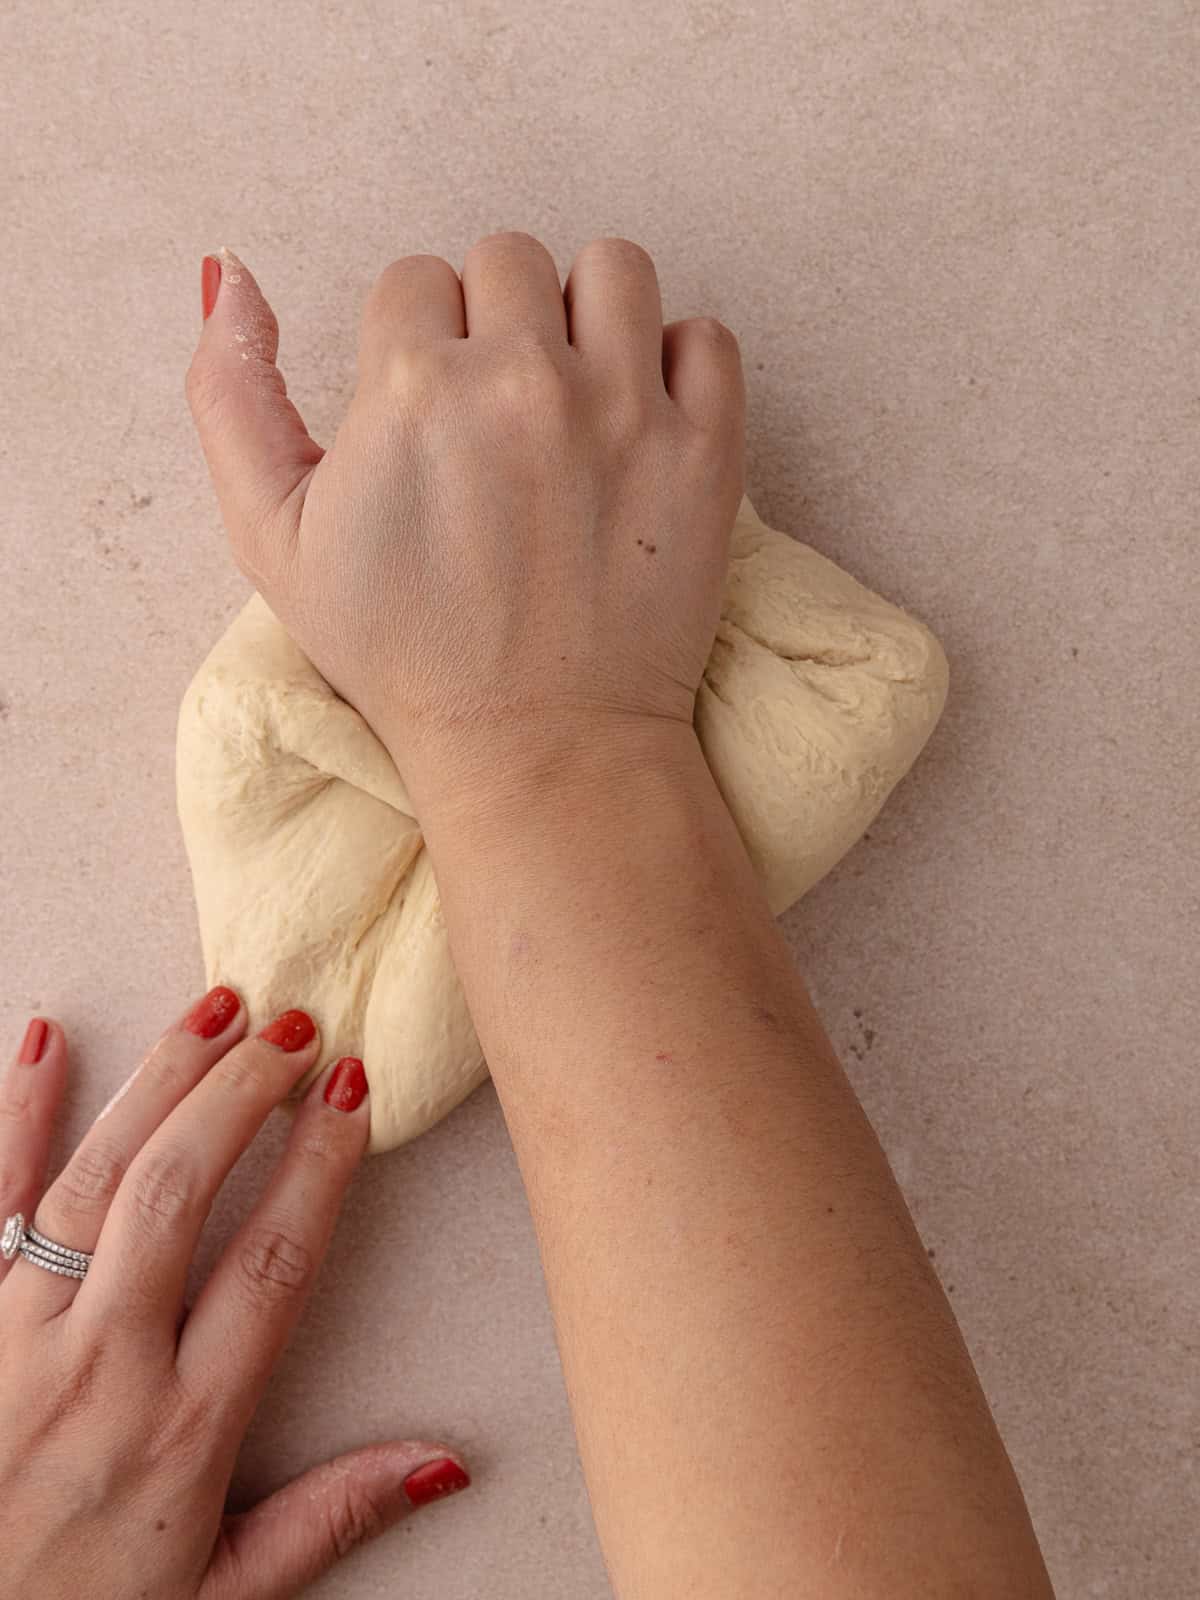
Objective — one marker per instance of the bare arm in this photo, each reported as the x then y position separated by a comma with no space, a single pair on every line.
771,1394
511,562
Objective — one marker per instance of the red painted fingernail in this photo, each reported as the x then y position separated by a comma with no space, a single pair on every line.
347,1089
33,1044
292,1031
210,282
435,1480
213,1014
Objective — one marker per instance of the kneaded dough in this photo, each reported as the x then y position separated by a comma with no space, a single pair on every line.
312,881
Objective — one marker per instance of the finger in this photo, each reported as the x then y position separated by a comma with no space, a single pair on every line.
254,440
614,311
702,369
73,1209
254,1296
149,1235
287,1541
511,288
30,1091
416,300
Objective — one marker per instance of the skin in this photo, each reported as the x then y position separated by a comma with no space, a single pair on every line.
122,1409
510,561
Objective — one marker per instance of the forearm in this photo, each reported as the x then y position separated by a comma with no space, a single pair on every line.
770,1392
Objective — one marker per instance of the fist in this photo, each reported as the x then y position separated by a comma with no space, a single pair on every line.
520,531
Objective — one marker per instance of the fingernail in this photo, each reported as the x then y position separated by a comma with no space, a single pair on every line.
347,1088
210,283
435,1480
292,1031
213,1014
33,1045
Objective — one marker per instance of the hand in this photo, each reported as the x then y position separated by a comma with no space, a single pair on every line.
521,529
120,1413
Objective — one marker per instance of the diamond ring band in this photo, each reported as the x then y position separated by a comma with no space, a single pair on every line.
21,1238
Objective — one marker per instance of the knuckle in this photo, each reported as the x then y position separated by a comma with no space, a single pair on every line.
162,1187
274,1264
415,376
506,239
165,1064
712,332
405,268
241,1072
353,1517
320,1147
618,251
13,1108
91,1178
531,387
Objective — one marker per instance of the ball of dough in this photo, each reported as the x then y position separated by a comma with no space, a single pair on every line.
313,885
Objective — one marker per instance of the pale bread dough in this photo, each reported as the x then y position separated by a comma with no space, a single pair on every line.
312,882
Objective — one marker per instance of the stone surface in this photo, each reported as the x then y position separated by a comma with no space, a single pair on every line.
960,246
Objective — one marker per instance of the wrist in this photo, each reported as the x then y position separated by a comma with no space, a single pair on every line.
553,780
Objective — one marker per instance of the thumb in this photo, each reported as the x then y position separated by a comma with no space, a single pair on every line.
254,440
288,1540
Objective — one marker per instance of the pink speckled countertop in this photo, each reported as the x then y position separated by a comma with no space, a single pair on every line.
960,245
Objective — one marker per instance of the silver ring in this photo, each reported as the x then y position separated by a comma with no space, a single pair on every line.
42,1252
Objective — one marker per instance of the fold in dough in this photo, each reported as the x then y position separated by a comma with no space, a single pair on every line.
313,885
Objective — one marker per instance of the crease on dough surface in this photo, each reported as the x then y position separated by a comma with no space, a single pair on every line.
313,886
